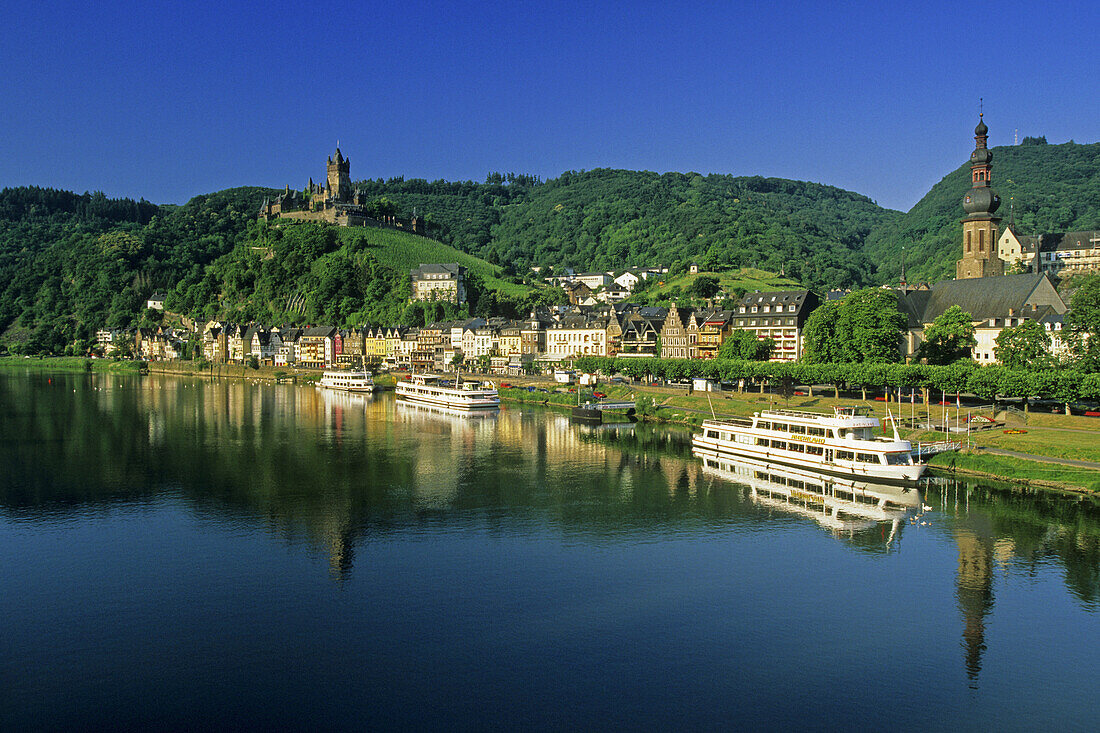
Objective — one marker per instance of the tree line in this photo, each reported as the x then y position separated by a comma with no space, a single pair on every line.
987,382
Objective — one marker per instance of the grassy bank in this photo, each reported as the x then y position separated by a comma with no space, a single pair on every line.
552,399
1034,473
69,364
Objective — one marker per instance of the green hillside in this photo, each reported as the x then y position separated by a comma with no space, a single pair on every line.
72,263
612,219
1044,188
293,272
745,279
403,251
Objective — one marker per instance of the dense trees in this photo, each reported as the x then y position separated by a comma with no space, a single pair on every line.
71,263
1045,188
988,382
1024,346
866,326
1083,321
704,286
743,344
611,219
948,338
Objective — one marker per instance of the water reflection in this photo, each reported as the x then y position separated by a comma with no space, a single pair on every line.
845,507
777,560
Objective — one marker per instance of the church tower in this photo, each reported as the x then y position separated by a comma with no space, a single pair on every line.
339,177
979,256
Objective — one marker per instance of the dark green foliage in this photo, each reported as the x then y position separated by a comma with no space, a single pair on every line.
1044,188
704,286
988,382
743,344
1024,346
304,273
948,338
1083,321
612,219
70,263
865,327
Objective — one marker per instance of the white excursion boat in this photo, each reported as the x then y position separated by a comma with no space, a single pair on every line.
839,504
465,396
348,381
841,444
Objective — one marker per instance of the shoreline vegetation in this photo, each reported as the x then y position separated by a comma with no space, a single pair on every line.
1047,436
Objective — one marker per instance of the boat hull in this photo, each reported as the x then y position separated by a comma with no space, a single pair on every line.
717,449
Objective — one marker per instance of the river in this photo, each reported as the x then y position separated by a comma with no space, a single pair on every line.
183,553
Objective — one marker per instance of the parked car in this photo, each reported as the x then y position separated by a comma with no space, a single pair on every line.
599,395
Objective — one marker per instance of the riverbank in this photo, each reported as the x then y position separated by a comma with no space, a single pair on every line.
1040,474
1046,436
70,364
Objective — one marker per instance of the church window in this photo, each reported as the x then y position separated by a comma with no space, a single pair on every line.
981,240
968,241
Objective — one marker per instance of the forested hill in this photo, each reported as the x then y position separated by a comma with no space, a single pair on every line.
611,219
1045,188
71,263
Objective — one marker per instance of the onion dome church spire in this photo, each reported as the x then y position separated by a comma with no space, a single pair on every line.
979,256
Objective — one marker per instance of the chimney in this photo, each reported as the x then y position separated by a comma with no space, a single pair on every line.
1011,312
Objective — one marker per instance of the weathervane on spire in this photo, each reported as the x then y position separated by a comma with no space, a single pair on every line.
981,106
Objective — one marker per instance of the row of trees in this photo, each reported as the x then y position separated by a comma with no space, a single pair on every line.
987,382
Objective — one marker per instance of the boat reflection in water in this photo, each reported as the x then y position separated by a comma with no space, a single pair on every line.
843,505
408,409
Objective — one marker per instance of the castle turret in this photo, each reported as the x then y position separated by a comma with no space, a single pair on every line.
339,177
979,256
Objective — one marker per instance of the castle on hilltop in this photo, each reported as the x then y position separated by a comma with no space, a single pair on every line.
334,202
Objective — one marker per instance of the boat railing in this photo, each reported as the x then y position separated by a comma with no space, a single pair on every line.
741,422
805,414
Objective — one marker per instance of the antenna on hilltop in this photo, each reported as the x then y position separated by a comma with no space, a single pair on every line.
1016,136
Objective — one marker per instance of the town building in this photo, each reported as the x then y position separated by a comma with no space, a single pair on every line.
780,316
1070,252
993,304
439,282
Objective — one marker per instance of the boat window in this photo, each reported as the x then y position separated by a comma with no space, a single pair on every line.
798,429
845,455
815,450
712,433
898,459
867,458
781,426
764,425
796,447
780,444
815,431
762,441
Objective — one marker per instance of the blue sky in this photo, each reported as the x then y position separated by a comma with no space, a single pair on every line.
167,101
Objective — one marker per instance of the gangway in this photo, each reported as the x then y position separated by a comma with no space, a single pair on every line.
923,451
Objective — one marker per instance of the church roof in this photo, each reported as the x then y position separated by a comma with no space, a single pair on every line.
981,297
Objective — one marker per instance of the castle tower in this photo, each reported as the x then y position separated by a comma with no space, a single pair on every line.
339,177
979,255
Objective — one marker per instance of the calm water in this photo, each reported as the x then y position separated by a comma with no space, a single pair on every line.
185,554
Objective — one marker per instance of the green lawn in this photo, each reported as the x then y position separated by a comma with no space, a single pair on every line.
403,251
1019,470
747,277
